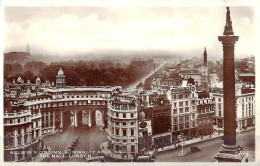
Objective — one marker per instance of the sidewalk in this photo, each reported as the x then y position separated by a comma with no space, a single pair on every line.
191,141
197,140
108,153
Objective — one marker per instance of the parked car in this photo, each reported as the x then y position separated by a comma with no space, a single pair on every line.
194,149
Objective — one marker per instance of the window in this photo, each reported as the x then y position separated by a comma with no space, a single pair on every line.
124,115
219,107
187,103
132,115
124,132
174,111
132,132
132,148
181,110
124,123
175,128
124,140
181,104
117,131
180,118
132,140
132,123
181,127
219,99
175,96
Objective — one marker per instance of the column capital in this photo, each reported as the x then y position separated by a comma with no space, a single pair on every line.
228,39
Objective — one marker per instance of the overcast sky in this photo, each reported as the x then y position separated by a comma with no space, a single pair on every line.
79,30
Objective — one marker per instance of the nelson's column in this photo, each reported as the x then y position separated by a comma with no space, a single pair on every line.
229,152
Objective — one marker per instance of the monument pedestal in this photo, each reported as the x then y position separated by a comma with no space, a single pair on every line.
231,153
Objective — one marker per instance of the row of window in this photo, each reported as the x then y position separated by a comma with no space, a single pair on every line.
18,120
181,103
68,104
181,110
183,126
181,96
182,118
123,132
124,115
243,99
123,123
123,140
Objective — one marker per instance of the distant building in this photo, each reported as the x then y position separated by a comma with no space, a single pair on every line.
205,112
204,70
245,109
248,78
17,57
183,112
38,81
60,79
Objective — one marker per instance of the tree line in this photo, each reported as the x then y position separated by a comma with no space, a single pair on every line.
81,73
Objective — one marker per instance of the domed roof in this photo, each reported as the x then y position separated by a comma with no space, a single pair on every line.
60,72
38,79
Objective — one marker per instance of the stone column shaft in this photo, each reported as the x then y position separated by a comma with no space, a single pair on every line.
44,121
53,119
15,137
75,119
61,119
49,119
229,89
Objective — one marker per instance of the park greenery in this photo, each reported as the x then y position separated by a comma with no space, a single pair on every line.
81,73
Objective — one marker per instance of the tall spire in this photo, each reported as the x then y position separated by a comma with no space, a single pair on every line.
28,48
228,27
205,57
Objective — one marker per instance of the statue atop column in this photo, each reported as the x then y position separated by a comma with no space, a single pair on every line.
228,19
228,28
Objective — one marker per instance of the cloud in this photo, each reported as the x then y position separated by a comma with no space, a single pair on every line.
177,30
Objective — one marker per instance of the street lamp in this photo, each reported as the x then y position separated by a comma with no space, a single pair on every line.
183,153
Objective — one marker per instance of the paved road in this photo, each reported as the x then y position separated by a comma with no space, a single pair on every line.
208,150
132,86
89,140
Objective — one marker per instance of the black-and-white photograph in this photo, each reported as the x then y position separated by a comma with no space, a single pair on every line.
129,84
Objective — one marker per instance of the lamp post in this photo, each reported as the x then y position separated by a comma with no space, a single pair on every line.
183,153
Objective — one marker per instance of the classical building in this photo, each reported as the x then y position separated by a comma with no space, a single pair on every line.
38,81
60,79
22,133
245,108
123,125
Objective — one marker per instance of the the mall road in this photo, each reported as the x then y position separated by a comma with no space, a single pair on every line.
208,148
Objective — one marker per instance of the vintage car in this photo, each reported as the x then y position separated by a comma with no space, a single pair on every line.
194,149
